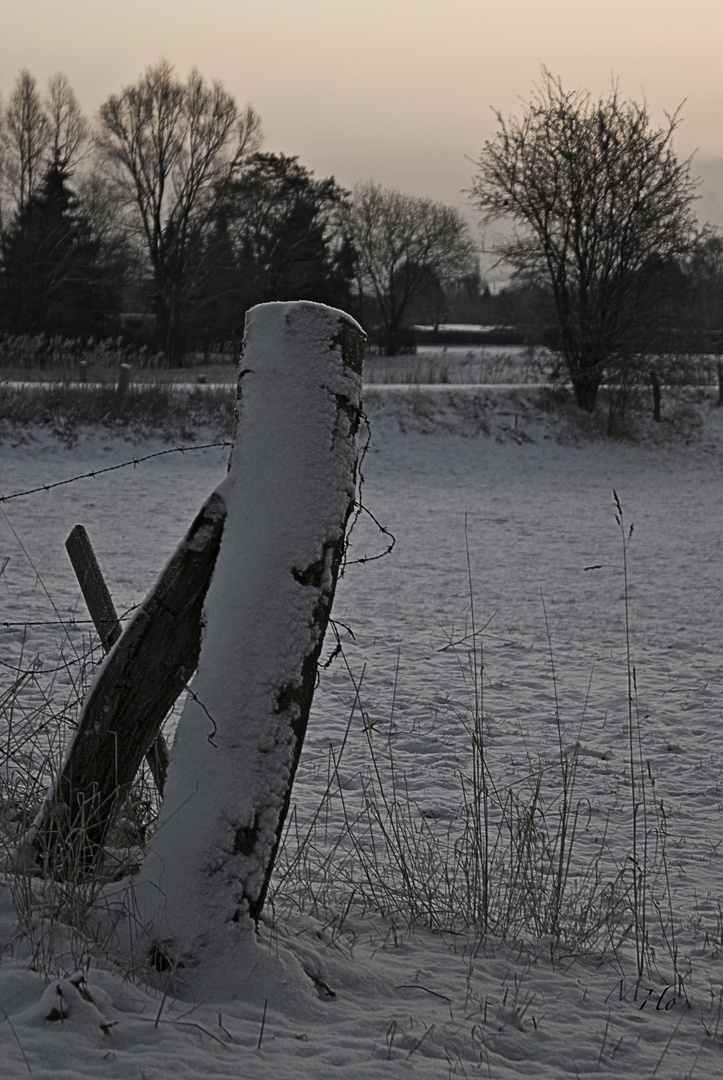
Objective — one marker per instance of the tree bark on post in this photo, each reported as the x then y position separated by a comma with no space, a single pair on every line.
289,493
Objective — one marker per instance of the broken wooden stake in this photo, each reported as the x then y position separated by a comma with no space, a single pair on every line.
105,619
93,587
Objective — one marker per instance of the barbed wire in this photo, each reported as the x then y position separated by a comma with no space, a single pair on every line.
112,468
360,508
46,622
70,620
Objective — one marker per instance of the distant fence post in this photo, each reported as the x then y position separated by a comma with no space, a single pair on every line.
124,382
719,402
289,494
655,382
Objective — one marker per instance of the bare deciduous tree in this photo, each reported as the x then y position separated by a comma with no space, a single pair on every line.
25,134
175,146
67,127
403,241
36,134
601,201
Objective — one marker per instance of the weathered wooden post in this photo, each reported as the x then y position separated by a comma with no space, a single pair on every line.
288,494
135,689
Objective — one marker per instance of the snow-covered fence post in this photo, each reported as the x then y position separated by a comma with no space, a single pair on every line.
289,493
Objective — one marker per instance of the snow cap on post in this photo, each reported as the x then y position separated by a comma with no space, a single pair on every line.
289,493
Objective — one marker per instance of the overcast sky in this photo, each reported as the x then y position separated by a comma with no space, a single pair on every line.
399,91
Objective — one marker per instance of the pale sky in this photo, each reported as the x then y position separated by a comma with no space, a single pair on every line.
399,91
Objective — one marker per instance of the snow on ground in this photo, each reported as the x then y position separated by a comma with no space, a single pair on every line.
528,493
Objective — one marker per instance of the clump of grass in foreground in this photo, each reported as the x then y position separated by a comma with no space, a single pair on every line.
520,860
59,924
507,865
146,411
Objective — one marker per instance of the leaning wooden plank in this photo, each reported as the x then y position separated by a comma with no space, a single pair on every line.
105,619
137,685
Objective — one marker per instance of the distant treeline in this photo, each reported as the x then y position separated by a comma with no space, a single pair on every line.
160,225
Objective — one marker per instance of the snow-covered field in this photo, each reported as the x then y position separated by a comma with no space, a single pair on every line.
481,486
